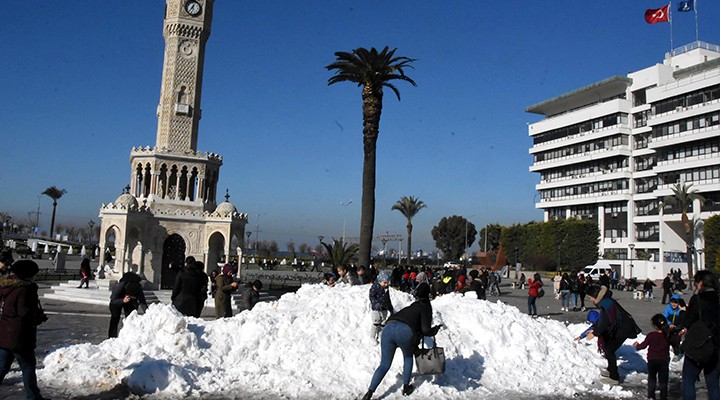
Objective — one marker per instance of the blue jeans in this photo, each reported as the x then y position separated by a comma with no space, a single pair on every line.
690,374
565,296
575,298
27,362
395,334
532,308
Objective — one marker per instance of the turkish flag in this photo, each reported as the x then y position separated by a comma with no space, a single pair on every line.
653,16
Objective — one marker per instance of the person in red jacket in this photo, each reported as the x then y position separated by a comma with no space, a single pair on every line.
18,329
535,284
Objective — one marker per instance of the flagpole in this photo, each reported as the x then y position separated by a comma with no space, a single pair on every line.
697,34
671,29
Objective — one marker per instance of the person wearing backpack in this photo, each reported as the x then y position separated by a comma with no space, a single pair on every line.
613,328
704,307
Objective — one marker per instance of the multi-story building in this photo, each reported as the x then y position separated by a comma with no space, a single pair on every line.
612,151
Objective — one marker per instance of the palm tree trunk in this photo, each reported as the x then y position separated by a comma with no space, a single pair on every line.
372,107
409,244
52,221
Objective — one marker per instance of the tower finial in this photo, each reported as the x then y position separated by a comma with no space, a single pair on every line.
227,195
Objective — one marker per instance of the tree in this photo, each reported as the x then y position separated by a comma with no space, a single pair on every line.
682,199
340,252
55,194
409,206
449,236
291,249
711,233
371,70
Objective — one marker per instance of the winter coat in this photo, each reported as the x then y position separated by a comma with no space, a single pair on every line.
189,291
350,278
564,284
380,298
249,298
707,302
118,294
534,287
418,316
223,296
673,315
18,304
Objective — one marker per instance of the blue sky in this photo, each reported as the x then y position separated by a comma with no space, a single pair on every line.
80,84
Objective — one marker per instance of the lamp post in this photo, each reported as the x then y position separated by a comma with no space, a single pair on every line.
91,224
384,241
248,234
466,234
631,246
344,206
700,264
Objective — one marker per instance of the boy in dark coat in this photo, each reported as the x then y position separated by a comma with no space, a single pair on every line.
251,295
190,289
380,302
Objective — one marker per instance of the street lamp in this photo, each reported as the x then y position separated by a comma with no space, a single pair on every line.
631,246
91,224
384,241
700,264
248,234
344,206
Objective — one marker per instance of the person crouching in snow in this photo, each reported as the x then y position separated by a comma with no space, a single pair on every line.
658,356
380,302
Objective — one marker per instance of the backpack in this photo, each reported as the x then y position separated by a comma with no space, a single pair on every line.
623,325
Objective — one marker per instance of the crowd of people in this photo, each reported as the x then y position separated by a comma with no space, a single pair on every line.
691,330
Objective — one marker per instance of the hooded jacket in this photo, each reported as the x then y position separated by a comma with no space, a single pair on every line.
18,302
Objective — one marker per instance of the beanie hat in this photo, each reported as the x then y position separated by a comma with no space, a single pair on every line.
593,316
257,284
25,269
421,277
227,269
383,276
423,291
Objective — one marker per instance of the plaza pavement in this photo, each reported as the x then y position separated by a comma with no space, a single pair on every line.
73,323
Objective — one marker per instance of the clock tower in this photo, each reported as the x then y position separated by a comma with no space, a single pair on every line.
169,210
186,31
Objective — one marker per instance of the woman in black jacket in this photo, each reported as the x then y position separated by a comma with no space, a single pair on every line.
18,326
404,329
707,303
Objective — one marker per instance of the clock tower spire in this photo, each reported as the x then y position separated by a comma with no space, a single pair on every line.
186,30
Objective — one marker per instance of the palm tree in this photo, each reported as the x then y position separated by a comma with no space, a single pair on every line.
370,70
683,197
409,206
55,194
340,253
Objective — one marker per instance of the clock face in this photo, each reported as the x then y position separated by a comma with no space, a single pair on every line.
193,8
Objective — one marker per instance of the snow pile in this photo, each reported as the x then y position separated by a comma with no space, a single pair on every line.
318,343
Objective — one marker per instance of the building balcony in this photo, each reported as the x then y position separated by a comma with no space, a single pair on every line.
581,137
683,137
577,158
687,163
585,198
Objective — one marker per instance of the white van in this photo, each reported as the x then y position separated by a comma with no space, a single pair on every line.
595,271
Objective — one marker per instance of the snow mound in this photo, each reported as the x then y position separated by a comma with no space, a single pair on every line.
317,343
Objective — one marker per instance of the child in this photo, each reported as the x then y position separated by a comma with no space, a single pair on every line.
380,302
658,356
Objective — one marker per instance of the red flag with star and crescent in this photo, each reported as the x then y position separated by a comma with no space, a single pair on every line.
653,16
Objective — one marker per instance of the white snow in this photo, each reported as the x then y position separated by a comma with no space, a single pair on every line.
317,343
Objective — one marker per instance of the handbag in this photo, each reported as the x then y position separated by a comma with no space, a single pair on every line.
430,361
698,343
541,293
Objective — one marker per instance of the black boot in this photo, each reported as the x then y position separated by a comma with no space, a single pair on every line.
368,395
408,389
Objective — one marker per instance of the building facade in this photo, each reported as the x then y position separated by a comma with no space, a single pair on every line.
170,208
612,151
